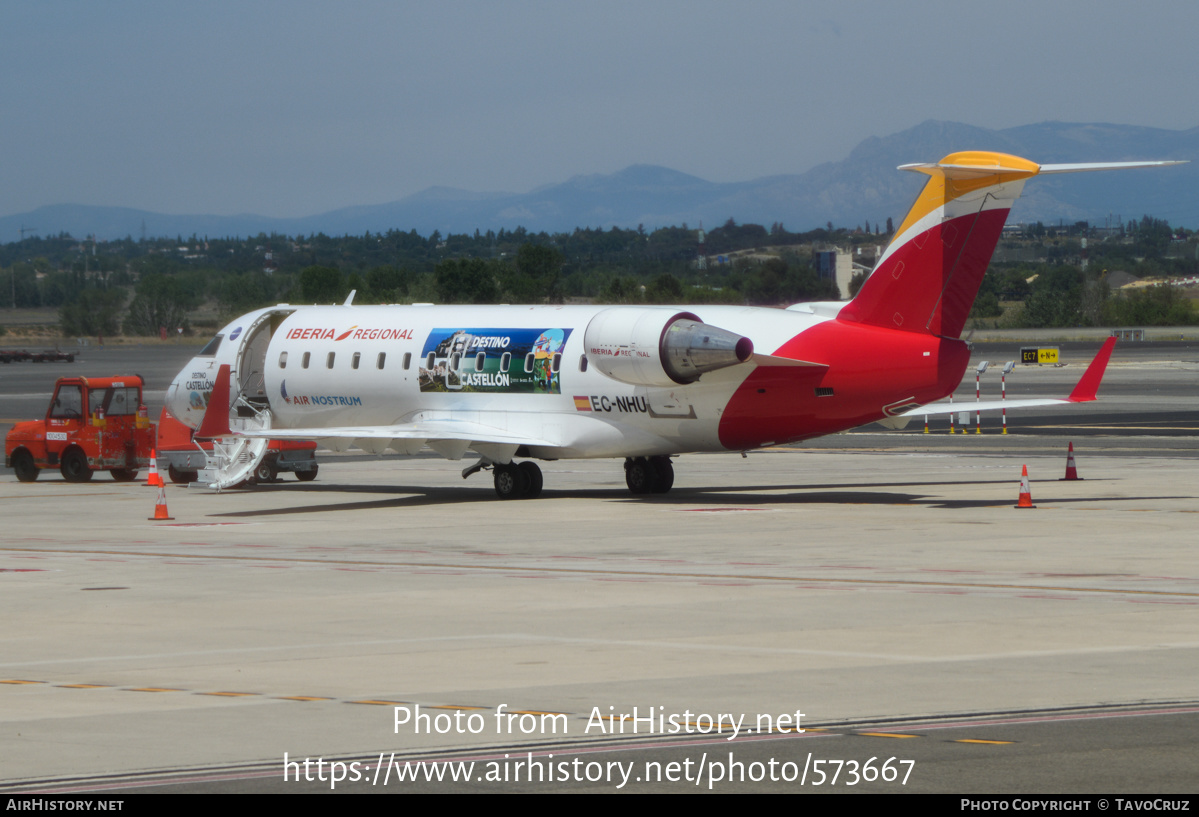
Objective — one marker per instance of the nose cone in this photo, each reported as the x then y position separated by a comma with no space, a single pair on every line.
188,394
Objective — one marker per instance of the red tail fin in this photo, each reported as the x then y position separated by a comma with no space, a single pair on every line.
928,278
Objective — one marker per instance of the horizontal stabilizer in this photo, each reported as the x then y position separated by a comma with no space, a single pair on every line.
1085,167
1086,391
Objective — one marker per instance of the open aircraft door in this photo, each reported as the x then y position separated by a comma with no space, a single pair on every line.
234,458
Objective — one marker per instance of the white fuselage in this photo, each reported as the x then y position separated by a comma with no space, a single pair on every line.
523,369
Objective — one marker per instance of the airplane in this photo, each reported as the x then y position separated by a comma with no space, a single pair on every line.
514,384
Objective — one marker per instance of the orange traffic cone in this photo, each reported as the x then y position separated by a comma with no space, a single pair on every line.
160,507
153,480
1025,491
1071,469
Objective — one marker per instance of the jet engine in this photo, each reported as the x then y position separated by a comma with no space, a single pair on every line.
659,347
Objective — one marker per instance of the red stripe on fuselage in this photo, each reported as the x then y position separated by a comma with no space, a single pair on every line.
868,368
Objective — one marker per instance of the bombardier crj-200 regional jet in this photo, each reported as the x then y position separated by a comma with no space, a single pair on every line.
641,383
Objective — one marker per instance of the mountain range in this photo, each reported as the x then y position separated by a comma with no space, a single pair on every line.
863,187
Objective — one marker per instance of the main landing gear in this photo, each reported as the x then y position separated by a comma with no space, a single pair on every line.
517,480
649,475
522,480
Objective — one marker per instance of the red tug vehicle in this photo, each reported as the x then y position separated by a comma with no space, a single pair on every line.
92,424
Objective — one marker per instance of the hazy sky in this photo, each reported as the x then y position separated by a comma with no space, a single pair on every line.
298,107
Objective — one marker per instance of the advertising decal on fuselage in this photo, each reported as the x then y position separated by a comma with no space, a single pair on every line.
520,361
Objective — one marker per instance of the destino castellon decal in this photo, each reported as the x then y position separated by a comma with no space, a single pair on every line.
519,361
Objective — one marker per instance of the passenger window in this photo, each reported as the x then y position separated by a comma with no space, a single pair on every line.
283,360
582,363
455,361
505,361
480,359
529,363
305,360
429,361
355,360
329,360
382,359
407,361
556,363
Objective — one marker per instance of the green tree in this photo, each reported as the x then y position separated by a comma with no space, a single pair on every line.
1161,305
387,285
92,312
1055,298
622,289
467,281
535,278
238,293
322,285
665,289
160,301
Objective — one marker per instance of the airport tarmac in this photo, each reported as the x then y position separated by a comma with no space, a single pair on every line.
868,578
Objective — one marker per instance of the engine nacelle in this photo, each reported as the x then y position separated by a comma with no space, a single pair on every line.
650,346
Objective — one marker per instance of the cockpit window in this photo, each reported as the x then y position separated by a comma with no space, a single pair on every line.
210,349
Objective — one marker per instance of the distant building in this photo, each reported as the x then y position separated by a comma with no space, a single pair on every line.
834,265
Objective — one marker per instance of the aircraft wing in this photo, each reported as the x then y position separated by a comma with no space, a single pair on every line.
1086,391
442,429
498,441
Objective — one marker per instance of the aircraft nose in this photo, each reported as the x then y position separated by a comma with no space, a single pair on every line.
177,401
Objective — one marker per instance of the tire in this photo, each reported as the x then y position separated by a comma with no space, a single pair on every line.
24,466
639,475
265,472
533,475
511,482
124,474
181,477
307,476
74,466
663,474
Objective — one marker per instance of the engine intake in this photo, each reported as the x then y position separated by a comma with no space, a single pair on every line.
647,346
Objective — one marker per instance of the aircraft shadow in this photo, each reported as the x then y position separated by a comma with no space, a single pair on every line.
407,496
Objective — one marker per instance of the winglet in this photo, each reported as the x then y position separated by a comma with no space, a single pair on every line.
1088,384
216,417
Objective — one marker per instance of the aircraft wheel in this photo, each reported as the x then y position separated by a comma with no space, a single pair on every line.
124,474
24,467
307,476
74,467
533,474
663,473
639,475
511,482
181,477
